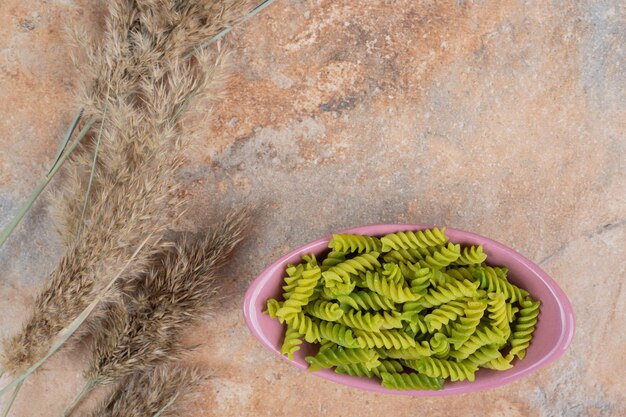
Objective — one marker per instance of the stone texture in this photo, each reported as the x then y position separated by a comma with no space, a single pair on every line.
502,117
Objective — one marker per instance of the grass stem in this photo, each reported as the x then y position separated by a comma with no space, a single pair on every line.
93,171
226,30
9,404
86,390
53,170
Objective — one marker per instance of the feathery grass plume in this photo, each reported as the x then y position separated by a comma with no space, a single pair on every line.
145,76
145,327
148,46
146,394
67,332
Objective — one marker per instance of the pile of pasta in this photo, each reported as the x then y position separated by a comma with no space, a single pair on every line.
411,309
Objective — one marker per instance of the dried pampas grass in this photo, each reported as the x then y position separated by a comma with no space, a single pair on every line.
143,77
178,291
155,392
144,328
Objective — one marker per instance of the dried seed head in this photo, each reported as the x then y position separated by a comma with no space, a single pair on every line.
145,73
145,327
148,392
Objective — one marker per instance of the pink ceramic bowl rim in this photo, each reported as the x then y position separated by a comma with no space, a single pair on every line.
253,313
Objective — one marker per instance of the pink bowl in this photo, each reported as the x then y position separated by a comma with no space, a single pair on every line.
553,334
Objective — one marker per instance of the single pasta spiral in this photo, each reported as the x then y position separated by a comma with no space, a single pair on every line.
354,243
387,289
418,239
433,367
358,369
364,300
523,328
448,292
342,272
410,381
334,357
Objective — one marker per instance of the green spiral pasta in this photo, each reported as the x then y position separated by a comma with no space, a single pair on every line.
418,239
272,307
448,292
441,256
410,329
357,369
483,335
471,255
387,289
327,293
446,329
410,301
411,271
430,257
492,282
327,344
497,313
385,338
325,310
338,333
422,325
500,363
445,313
439,278
416,322
292,342
484,354
523,328
357,319
418,351
382,353
332,259
412,307
440,345
418,277
365,300
305,326
318,291
511,311
342,272
466,326
310,261
410,381
301,293
294,273
403,256
460,274
391,320
341,356
354,243
341,288
433,367
392,273
500,271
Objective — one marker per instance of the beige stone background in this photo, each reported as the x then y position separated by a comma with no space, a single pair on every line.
506,118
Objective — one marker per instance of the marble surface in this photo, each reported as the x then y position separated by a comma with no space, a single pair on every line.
507,118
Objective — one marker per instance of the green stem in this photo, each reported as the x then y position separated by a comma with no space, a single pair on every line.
93,171
55,168
67,138
224,31
86,390
67,332
5,413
